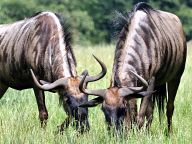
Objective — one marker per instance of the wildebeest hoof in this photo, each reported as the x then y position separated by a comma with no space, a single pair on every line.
43,124
61,129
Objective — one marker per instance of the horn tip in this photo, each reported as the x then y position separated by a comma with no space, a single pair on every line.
86,71
131,71
31,71
95,57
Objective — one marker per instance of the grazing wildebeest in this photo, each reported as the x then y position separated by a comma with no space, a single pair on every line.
37,48
151,48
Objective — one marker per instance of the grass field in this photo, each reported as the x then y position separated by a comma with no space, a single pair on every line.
19,121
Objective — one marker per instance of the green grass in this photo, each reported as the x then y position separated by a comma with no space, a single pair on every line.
19,121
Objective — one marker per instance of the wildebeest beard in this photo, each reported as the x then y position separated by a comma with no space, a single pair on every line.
115,117
77,116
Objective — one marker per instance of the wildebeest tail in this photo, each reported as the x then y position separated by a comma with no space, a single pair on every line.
160,97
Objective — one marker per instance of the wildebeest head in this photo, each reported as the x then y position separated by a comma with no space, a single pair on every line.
114,100
70,95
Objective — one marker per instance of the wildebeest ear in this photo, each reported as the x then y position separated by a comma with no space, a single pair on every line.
84,72
92,103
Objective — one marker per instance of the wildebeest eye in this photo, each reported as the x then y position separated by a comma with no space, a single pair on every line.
65,98
83,99
68,100
64,94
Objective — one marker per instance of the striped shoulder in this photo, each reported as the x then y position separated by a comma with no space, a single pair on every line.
170,15
62,24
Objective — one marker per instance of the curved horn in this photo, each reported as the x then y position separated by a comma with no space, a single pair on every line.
132,90
59,82
100,75
140,78
100,92
129,94
126,91
136,89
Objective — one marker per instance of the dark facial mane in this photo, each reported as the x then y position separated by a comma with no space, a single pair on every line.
67,35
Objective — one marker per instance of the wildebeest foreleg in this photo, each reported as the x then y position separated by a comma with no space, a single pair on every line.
40,98
145,103
133,110
131,114
149,113
172,90
3,89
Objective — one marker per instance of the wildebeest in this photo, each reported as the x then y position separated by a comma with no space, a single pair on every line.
149,57
39,48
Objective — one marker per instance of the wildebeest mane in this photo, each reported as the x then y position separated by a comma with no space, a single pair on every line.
67,35
122,20
35,14
121,28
